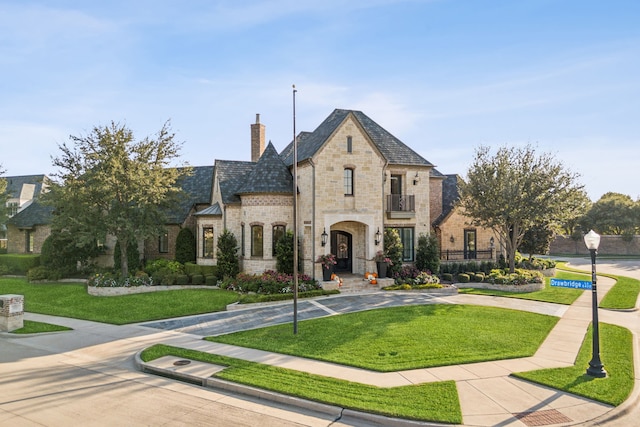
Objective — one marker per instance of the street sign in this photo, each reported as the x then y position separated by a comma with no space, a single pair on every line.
574,284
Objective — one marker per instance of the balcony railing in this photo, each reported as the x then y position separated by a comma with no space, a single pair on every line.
400,206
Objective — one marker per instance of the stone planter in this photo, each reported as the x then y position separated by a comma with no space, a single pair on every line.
382,268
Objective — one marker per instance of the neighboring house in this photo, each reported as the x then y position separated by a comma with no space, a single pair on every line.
28,229
22,191
457,237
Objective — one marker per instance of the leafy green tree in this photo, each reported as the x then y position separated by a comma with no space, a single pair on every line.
284,253
227,249
513,190
393,249
61,255
111,183
614,214
185,246
536,240
577,207
428,253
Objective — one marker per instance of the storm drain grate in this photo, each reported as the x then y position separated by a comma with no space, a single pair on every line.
542,418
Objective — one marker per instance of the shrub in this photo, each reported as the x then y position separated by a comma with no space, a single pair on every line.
463,278
269,282
182,279
284,253
447,277
185,246
111,280
519,277
37,273
393,249
478,277
156,265
190,268
168,279
197,279
428,253
3,270
19,263
227,248
211,280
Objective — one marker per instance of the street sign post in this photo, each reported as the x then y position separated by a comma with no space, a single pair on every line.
574,284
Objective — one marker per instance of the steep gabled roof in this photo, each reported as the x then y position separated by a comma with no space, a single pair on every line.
391,148
269,175
197,190
450,195
34,214
231,177
15,183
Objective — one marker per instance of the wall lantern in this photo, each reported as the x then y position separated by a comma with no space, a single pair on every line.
491,242
377,237
323,237
416,179
451,239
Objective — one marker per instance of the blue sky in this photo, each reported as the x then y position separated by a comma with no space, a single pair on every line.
444,76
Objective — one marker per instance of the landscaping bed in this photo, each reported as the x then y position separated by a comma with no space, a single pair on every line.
102,291
528,287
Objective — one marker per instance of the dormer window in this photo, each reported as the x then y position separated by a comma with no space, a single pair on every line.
349,144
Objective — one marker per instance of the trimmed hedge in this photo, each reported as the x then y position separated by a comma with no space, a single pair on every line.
19,263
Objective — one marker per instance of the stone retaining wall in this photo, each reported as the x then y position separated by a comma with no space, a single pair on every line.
529,287
124,290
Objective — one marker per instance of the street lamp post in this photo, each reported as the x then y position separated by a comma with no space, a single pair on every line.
596,368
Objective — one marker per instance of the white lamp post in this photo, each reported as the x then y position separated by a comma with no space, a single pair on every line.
595,369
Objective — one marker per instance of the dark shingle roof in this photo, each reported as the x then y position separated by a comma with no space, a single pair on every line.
211,210
231,177
15,183
34,214
393,150
450,195
269,175
197,190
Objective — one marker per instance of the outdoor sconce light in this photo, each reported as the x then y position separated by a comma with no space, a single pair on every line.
451,239
323,237
377,237
595,369
416,179
491,242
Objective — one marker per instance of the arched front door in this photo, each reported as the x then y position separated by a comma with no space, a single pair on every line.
341,246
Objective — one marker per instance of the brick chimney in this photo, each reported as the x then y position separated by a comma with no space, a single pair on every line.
257,139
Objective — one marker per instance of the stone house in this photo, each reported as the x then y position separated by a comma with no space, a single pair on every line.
25,234
354,179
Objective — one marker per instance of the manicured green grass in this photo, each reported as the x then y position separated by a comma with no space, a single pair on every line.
436,402
72,300
401,338
616,353
622,296
548,294
31,327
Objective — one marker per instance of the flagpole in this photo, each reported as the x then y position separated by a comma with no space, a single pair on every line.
295,218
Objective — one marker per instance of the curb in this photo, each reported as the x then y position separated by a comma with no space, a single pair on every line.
335,411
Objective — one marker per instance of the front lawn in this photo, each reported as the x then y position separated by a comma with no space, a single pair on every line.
72,300
401,338
30,327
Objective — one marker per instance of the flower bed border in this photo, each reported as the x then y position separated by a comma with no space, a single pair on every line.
529,287
111,291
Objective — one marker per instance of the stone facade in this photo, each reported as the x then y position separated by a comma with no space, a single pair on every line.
26,241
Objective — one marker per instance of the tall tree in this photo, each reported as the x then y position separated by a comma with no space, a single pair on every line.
515,189
110,183
613,213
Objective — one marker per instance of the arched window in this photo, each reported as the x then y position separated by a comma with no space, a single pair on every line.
278,232
348,182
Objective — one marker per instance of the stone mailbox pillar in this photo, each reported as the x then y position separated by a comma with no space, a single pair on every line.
11,312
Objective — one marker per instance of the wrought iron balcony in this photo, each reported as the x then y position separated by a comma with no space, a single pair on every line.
401,206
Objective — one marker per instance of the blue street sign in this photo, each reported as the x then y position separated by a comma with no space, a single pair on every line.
575,284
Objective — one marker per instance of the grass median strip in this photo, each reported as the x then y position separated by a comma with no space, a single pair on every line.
410,337
31,327
437,402
616,351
